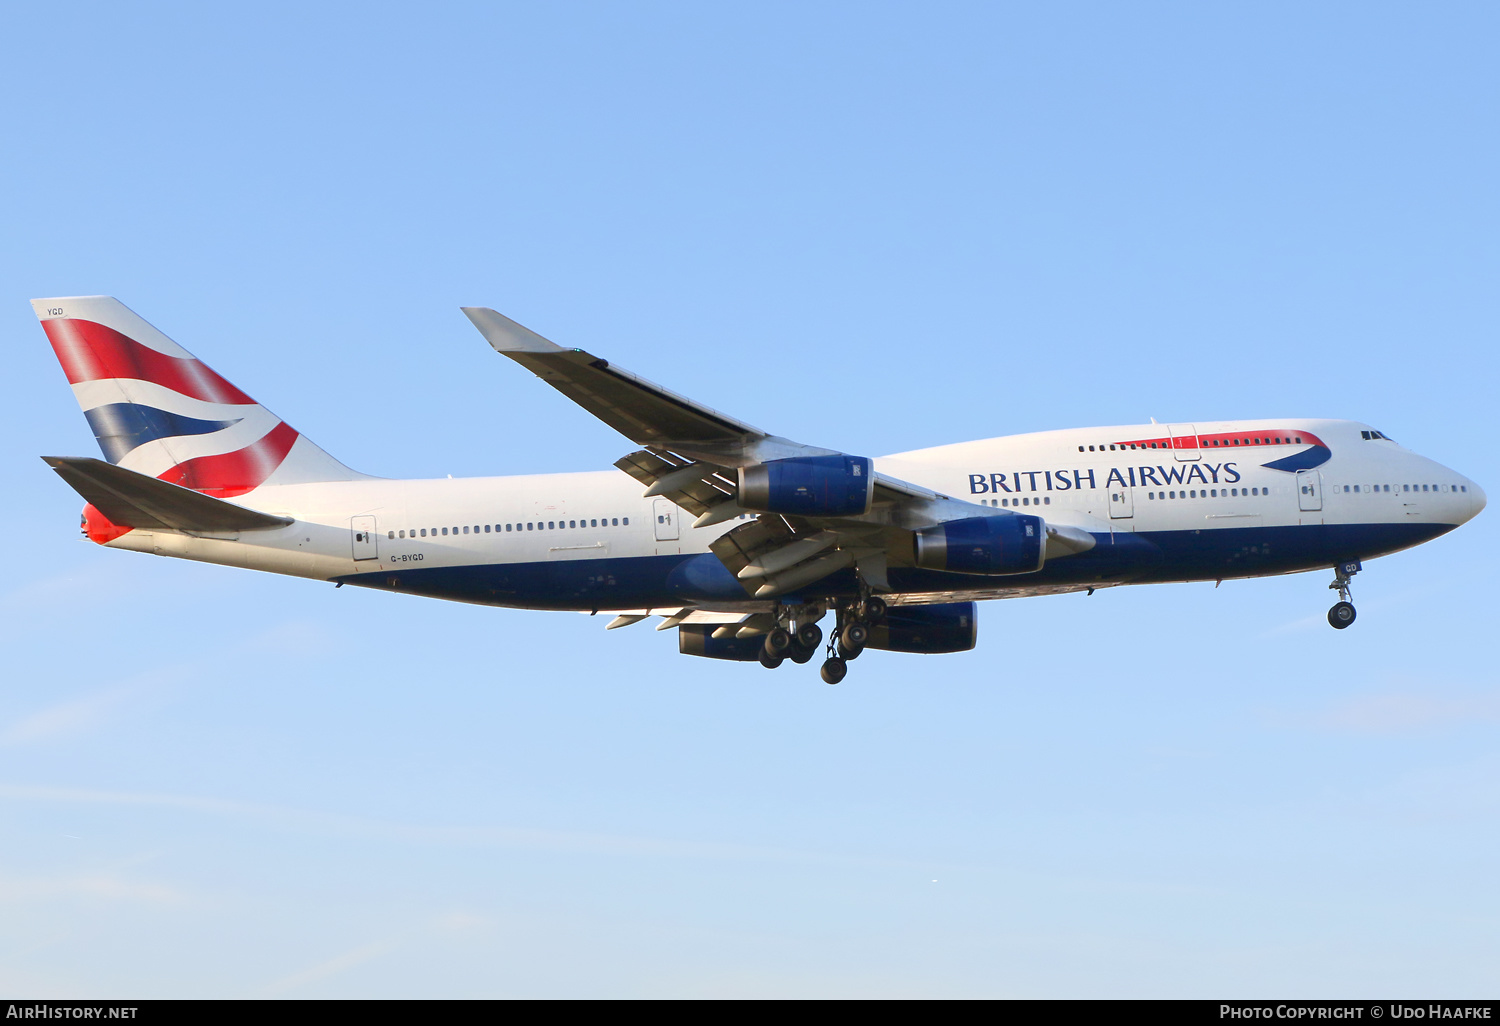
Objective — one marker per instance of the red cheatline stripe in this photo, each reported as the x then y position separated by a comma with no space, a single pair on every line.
89,351
235,473
1259,436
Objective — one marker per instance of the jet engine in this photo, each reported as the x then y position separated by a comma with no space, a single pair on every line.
1015,544
929,630
697,639
811,486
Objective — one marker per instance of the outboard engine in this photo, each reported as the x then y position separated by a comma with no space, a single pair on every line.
930,630
1015,544
810,486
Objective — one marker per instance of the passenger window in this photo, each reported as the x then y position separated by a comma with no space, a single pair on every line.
572,523
625,521
390,534
1047,500
528,527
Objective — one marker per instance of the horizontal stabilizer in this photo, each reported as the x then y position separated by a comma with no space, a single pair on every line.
129,499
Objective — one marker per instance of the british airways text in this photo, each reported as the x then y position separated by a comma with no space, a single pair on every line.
1126,477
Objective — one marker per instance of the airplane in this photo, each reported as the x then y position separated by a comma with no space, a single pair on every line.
741,540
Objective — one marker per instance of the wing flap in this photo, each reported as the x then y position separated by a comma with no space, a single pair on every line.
130,499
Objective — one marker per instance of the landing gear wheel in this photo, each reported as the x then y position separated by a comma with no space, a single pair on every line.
809,636
874,609
834,670
800,653
852,639
778,641
769,661
1341,615
845,652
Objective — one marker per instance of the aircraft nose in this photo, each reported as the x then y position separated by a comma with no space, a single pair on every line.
1477,501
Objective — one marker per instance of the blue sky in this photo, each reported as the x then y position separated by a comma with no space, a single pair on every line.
872,227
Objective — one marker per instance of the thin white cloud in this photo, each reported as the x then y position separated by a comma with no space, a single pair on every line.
332,967
1395,712
108,886
91,710
78,715
519,838
440,926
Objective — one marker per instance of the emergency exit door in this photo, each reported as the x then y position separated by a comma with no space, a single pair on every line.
365,546
1309,490
666,519
1121,503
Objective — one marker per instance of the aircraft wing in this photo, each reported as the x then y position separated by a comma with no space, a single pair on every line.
691,454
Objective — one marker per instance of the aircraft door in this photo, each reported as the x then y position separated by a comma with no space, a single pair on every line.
365,546
1121,503
1309,490
666,519
1184,442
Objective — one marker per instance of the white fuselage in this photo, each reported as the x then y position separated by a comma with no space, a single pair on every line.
1104,480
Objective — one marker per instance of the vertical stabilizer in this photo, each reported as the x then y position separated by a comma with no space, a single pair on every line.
158,410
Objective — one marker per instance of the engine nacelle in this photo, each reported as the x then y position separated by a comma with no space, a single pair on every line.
810,486
1015,544
697,639
930,630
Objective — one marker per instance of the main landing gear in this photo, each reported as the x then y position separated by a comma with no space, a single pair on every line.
799,647
798,637
1342,613
849,640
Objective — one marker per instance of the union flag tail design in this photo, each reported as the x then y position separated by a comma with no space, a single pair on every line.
158,410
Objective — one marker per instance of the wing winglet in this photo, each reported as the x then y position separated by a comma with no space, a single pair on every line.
505,335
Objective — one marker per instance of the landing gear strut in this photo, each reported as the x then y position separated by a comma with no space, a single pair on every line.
1342,613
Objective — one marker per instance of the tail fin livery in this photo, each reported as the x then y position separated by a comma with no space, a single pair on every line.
157,410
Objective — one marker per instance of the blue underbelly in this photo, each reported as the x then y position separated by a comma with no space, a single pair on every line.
647,582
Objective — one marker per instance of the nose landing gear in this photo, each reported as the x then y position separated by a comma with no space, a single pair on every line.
1342,613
